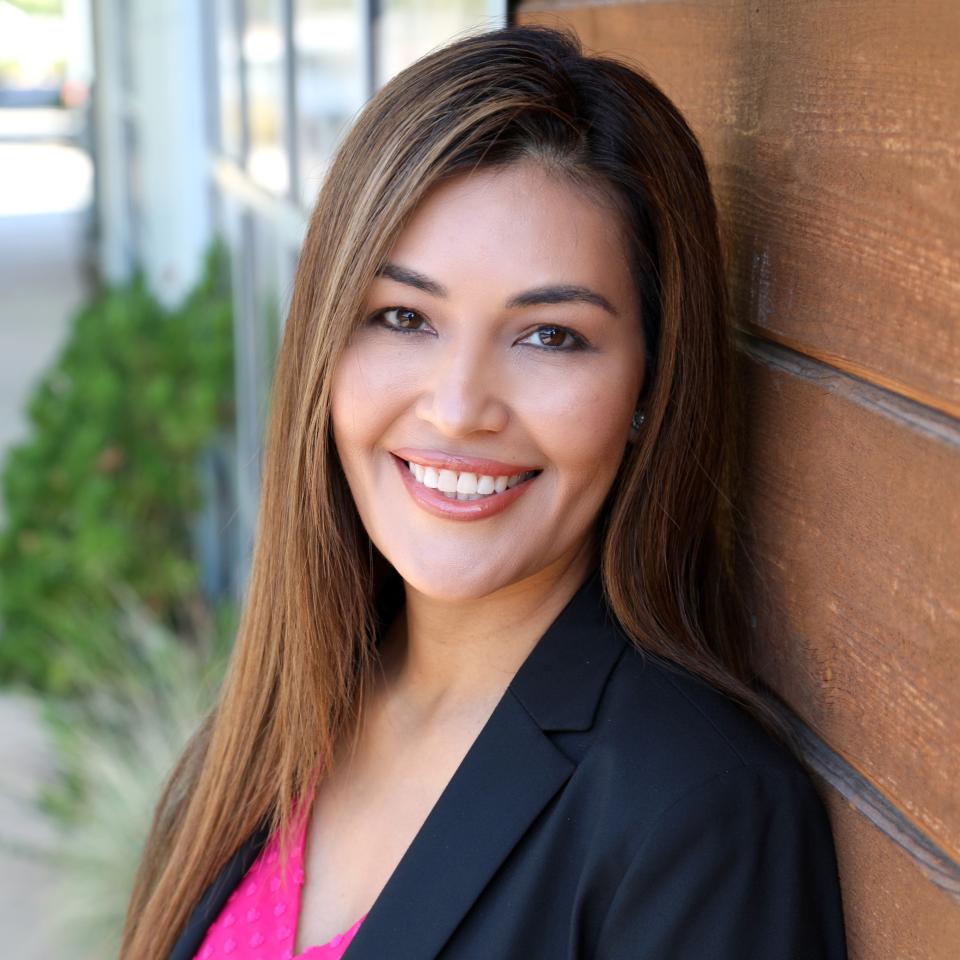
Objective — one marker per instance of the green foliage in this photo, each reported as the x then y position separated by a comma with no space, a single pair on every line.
101,497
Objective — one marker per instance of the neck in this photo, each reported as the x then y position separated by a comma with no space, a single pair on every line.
444,659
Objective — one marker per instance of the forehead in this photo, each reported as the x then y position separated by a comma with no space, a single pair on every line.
513,224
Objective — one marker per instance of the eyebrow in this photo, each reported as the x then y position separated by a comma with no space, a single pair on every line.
551,293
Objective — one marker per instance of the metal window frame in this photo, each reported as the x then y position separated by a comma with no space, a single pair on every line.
291,140
240,25
209,17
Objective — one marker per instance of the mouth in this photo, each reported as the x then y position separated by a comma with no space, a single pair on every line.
462,494
465,484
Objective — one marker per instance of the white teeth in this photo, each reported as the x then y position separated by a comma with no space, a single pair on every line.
466,485
430,477
447,482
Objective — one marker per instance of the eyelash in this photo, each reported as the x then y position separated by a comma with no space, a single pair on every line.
579,343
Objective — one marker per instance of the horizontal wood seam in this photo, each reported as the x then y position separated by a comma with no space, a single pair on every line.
867,800
858,371
894,406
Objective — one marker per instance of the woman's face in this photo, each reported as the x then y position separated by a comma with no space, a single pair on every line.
503,337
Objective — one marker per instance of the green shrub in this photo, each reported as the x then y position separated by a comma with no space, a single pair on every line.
102,496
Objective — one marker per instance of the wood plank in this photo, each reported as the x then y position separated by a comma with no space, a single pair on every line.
864,797
891,911
851,551
832,132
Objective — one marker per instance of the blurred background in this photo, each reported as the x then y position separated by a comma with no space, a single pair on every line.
158,161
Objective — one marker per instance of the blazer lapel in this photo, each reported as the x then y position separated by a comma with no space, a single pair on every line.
507,777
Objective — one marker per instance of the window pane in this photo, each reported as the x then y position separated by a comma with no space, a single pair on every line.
407,29
263,58
329,82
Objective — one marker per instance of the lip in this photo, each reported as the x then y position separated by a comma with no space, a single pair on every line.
449,461
438,505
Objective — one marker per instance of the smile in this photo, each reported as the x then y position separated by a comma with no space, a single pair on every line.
465,485
461,495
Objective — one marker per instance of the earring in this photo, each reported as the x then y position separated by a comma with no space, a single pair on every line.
638,418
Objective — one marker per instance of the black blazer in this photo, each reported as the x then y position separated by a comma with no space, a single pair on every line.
612,808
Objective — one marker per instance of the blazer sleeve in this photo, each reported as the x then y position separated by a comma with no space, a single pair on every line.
741,867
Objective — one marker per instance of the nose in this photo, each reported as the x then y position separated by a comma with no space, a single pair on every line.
464,391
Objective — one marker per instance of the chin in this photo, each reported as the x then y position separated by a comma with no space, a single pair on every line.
452,581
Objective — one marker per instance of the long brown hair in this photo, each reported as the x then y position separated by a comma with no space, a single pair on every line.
306,643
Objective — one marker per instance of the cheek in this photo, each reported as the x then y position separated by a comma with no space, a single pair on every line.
351,413
365,395
581,421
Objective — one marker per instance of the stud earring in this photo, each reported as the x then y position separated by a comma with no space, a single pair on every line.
638,418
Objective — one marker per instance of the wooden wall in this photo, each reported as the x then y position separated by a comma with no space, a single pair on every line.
832,132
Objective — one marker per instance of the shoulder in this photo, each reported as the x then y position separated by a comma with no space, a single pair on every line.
663,736
715,837
718,837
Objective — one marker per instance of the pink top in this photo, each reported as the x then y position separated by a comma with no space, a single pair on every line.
259,919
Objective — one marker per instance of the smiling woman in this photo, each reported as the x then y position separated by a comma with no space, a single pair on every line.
490,694
521,344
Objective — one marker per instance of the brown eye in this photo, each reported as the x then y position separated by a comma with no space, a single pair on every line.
557,339
552,336
407,318
407,321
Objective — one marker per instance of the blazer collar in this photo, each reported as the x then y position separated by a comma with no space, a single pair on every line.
507,777
561,680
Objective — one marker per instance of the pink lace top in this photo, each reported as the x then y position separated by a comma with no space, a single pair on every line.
259,919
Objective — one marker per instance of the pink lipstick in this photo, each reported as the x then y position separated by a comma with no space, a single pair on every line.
447,508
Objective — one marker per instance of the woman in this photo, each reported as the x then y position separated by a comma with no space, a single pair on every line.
489,695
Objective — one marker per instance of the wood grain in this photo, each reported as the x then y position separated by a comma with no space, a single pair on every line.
851,553
891,911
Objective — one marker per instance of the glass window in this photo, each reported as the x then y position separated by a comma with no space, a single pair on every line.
264,61
228,72
407,29
330,82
